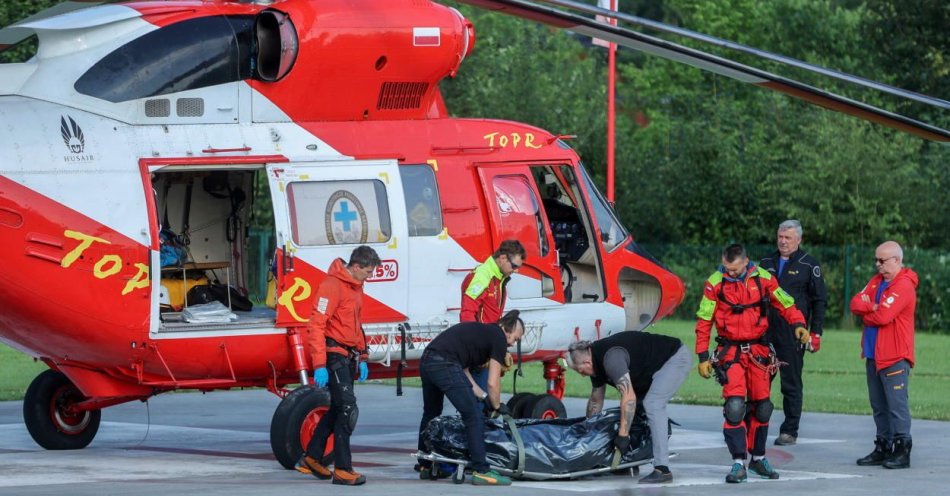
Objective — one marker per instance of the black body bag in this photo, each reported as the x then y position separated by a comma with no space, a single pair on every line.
555,446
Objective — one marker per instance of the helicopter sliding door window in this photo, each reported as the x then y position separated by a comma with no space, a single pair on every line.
520,212
322,211
354,212
422,200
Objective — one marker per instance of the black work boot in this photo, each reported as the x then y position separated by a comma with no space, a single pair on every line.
882,450
900,457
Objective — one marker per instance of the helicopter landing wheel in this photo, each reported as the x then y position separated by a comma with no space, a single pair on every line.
517,402
293,424
48,415
544,406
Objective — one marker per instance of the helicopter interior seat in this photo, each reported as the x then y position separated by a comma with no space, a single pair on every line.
570,238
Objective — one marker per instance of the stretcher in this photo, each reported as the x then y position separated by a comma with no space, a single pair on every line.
530,449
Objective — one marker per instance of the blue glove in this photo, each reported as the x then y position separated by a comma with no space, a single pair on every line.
321,377
364,371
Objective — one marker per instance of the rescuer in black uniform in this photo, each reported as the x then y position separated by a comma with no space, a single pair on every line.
799,274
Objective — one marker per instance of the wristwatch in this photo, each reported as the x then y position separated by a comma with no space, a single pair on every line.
484,396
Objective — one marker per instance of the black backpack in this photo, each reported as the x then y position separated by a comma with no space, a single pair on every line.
219,292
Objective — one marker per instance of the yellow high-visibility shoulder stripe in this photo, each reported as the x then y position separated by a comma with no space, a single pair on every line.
706,309
784,298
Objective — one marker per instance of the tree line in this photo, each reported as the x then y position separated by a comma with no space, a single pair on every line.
704,159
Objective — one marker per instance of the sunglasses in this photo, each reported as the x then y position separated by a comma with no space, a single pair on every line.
515,266
882,261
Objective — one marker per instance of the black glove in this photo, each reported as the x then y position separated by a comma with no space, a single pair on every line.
503,410
622,443
487,409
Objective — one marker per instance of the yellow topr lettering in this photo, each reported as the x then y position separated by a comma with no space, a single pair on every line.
529,141
139,281
514,139
298,291
85,241
113,261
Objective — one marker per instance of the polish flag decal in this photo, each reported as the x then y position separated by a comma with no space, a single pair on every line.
426,37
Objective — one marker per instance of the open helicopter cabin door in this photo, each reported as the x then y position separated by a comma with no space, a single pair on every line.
322,212
516,213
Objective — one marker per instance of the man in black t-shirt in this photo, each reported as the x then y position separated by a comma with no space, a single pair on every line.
638,364
444,371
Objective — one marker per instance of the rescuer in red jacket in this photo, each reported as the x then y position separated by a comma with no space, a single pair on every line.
886,307
483,292
338,353
736,299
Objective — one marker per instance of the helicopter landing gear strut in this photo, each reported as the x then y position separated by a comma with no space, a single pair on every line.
293,424
51,417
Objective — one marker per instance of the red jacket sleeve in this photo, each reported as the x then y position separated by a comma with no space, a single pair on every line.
324,306
704,318
898,297
470,307
860,307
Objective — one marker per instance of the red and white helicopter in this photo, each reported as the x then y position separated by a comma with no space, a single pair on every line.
140,117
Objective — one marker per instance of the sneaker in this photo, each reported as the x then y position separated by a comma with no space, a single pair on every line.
490,478
310,466
785,440
348,478
657,477
763,469
737,474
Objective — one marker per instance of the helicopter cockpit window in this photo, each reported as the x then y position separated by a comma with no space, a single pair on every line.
190,54
612,232
339,212
422,200
276,45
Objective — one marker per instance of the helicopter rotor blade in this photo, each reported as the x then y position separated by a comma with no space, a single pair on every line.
12,35
789,61
702,60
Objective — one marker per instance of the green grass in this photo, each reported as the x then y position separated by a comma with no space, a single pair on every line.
17,370
834,377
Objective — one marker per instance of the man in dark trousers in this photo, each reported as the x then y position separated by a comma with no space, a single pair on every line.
886,306
444,373
639,365
338,353
799,274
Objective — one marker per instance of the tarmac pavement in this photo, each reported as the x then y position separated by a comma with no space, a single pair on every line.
218,444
